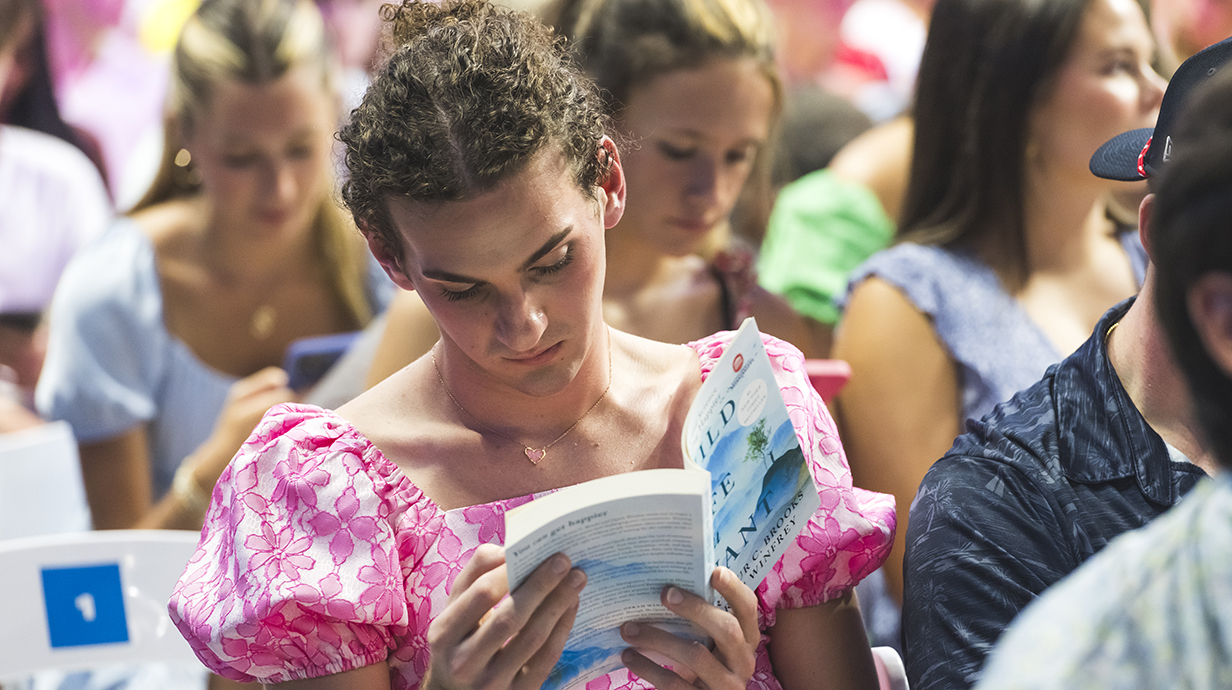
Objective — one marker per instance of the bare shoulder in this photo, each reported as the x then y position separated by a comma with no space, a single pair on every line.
877,311
895,354
410,332
172,226
175,229
875,153
655,387
405,418
879,159
398,409
651,355
657,366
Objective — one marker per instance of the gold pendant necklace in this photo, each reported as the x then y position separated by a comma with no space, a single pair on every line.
535,455
261,325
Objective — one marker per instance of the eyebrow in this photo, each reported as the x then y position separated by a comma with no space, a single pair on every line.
552,243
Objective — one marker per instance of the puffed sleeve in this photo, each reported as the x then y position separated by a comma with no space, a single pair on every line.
106,350
305,555
851,533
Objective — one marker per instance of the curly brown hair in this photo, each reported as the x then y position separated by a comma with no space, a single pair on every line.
470,94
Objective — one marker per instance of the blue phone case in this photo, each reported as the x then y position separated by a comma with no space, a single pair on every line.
308,359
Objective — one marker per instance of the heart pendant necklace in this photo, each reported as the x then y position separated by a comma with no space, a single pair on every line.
535,455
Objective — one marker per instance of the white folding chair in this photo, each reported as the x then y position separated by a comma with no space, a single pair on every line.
41,491
76,601
891,674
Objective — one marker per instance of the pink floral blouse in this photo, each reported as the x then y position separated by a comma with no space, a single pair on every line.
319,556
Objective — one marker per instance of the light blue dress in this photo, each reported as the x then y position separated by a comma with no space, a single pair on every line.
999,350
111,364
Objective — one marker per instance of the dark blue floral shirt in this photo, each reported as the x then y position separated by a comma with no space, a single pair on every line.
1032,490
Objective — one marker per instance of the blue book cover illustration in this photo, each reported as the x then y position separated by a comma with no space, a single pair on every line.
739,430
743,496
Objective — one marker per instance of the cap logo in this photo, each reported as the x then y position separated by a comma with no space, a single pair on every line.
1142,158
1167,149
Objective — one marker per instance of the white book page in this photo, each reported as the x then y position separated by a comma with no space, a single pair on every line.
632,534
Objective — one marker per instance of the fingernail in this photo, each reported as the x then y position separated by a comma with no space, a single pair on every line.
560,564
674,595
577,579
631,629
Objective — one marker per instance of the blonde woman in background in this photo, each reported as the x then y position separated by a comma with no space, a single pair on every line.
166,335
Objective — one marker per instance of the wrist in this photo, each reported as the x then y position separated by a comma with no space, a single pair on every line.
188,490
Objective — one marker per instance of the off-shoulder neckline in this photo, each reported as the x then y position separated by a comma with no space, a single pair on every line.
396,476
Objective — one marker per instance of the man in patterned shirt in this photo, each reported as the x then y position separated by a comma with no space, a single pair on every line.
1154,609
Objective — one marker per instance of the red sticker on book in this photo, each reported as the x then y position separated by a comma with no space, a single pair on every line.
737,362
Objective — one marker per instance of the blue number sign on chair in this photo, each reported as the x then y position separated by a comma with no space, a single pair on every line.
72,602
85,605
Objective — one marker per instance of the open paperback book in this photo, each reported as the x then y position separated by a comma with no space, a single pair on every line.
744,494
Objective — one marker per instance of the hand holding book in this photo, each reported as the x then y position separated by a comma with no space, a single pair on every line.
731,660
481,641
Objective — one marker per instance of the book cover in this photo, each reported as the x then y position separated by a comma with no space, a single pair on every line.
739,430
744,494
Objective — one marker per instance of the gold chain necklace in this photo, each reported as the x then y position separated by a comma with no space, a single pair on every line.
535,455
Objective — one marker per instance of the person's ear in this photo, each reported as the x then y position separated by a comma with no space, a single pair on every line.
612,185
1145,209
1210,309
389,259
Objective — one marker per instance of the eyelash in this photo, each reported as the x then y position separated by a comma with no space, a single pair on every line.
740,156
676,153
558,266
454,296
543,272
296,153
735,157
241,161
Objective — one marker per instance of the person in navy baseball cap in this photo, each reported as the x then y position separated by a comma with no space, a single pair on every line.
1140,154
1154,608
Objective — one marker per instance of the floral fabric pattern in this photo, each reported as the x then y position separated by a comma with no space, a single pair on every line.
319,556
